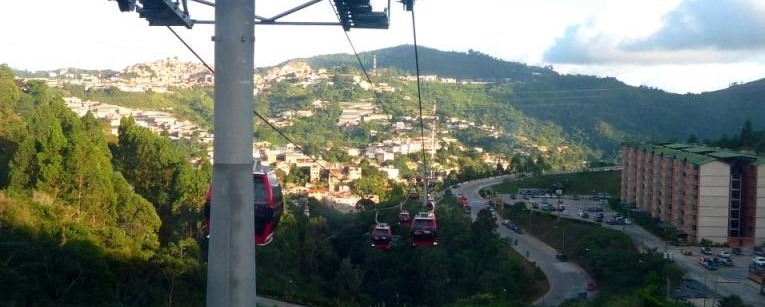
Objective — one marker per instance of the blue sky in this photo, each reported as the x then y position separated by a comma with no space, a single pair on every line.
676,45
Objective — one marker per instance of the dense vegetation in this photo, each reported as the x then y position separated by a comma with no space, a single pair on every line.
747,140
85,221
336,266
596,112
625,276
586,183
88,220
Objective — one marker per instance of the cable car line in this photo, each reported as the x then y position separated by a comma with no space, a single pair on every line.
191,49
363,69
299,148
419,102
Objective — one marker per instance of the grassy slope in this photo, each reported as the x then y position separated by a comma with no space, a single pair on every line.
578,183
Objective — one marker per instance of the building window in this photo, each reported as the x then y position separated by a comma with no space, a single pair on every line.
736,184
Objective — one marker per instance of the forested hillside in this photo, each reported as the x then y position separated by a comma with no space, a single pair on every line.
86,219
596,112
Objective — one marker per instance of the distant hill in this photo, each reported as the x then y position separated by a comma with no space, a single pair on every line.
473,65
598,112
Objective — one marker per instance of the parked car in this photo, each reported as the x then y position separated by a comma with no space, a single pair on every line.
737,251
507,223
598,219
706,250
724,261
711,265
759,260
723,254
702,261
686,252
758,251
517,229
585,215
561,257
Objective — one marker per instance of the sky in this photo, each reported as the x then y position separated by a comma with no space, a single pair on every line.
679,46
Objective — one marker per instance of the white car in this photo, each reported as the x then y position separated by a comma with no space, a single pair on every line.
723,254
759,260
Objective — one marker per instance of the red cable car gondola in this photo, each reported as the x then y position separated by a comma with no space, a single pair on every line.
430,204
381,236
404,218
424,229
268,203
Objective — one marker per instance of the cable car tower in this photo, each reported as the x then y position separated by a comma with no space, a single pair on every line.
231,265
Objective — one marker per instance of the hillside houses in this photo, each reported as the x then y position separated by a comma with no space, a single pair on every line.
355,113
156,121
329,182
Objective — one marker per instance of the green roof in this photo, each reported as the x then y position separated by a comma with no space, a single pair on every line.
699,149
677,146
697,155
726,154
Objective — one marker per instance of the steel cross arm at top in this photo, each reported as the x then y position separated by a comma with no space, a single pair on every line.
292,10
280,23
272,20
204,2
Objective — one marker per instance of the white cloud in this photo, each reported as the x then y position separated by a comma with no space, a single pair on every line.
48,34
676,78
701,31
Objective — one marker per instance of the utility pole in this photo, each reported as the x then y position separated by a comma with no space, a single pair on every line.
231,265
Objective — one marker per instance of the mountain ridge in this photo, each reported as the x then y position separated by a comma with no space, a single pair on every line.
600,112
591,109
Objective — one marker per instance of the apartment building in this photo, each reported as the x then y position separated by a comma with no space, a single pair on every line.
708,193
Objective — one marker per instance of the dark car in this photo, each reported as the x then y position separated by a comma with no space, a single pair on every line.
561,257
737,251
517,229
724,261
598,219
758,251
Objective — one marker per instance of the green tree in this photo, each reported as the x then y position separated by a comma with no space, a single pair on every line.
732,301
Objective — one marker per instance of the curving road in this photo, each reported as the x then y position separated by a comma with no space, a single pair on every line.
566,279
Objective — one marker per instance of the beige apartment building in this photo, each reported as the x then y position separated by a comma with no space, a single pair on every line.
708,193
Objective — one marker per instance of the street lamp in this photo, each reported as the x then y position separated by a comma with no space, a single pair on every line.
564,237
563,229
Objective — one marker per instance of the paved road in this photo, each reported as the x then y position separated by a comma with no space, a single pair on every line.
267,302
566,279
725,281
